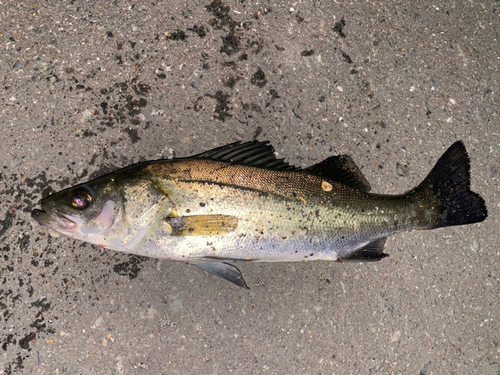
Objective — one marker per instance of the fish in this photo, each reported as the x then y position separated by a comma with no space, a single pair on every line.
240,202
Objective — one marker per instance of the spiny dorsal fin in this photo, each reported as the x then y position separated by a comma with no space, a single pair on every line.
253,153
371,252
341,169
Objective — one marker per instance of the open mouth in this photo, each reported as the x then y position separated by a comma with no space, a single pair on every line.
39,215
55,220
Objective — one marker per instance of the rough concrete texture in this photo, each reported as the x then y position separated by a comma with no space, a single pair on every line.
88,87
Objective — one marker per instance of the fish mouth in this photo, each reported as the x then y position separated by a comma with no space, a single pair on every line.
40,216
54,220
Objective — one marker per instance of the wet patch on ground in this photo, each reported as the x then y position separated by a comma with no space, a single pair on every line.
35,258
130,268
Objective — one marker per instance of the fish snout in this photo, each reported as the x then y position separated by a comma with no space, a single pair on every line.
53,220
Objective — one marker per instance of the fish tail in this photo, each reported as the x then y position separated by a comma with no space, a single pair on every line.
450,182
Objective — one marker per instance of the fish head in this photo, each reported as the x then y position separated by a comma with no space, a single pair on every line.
87,212
116,212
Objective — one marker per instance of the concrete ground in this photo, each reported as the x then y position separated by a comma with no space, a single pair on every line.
88,87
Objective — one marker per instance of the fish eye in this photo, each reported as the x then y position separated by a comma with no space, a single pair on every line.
81,198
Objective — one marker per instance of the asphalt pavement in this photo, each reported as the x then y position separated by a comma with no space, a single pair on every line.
89,87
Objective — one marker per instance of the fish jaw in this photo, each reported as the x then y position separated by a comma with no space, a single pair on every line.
59,222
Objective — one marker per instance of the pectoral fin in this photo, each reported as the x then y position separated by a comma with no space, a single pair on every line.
202,225
224,270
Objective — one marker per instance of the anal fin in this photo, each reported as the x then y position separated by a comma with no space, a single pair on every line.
225,270
371,252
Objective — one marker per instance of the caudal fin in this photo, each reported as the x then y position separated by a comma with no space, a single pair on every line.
450,181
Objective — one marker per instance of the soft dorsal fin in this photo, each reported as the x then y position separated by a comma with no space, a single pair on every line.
253,153
341,169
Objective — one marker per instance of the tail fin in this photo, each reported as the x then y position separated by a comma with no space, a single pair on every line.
450,181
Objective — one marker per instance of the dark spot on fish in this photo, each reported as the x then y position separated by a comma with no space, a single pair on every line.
202,204
188,210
